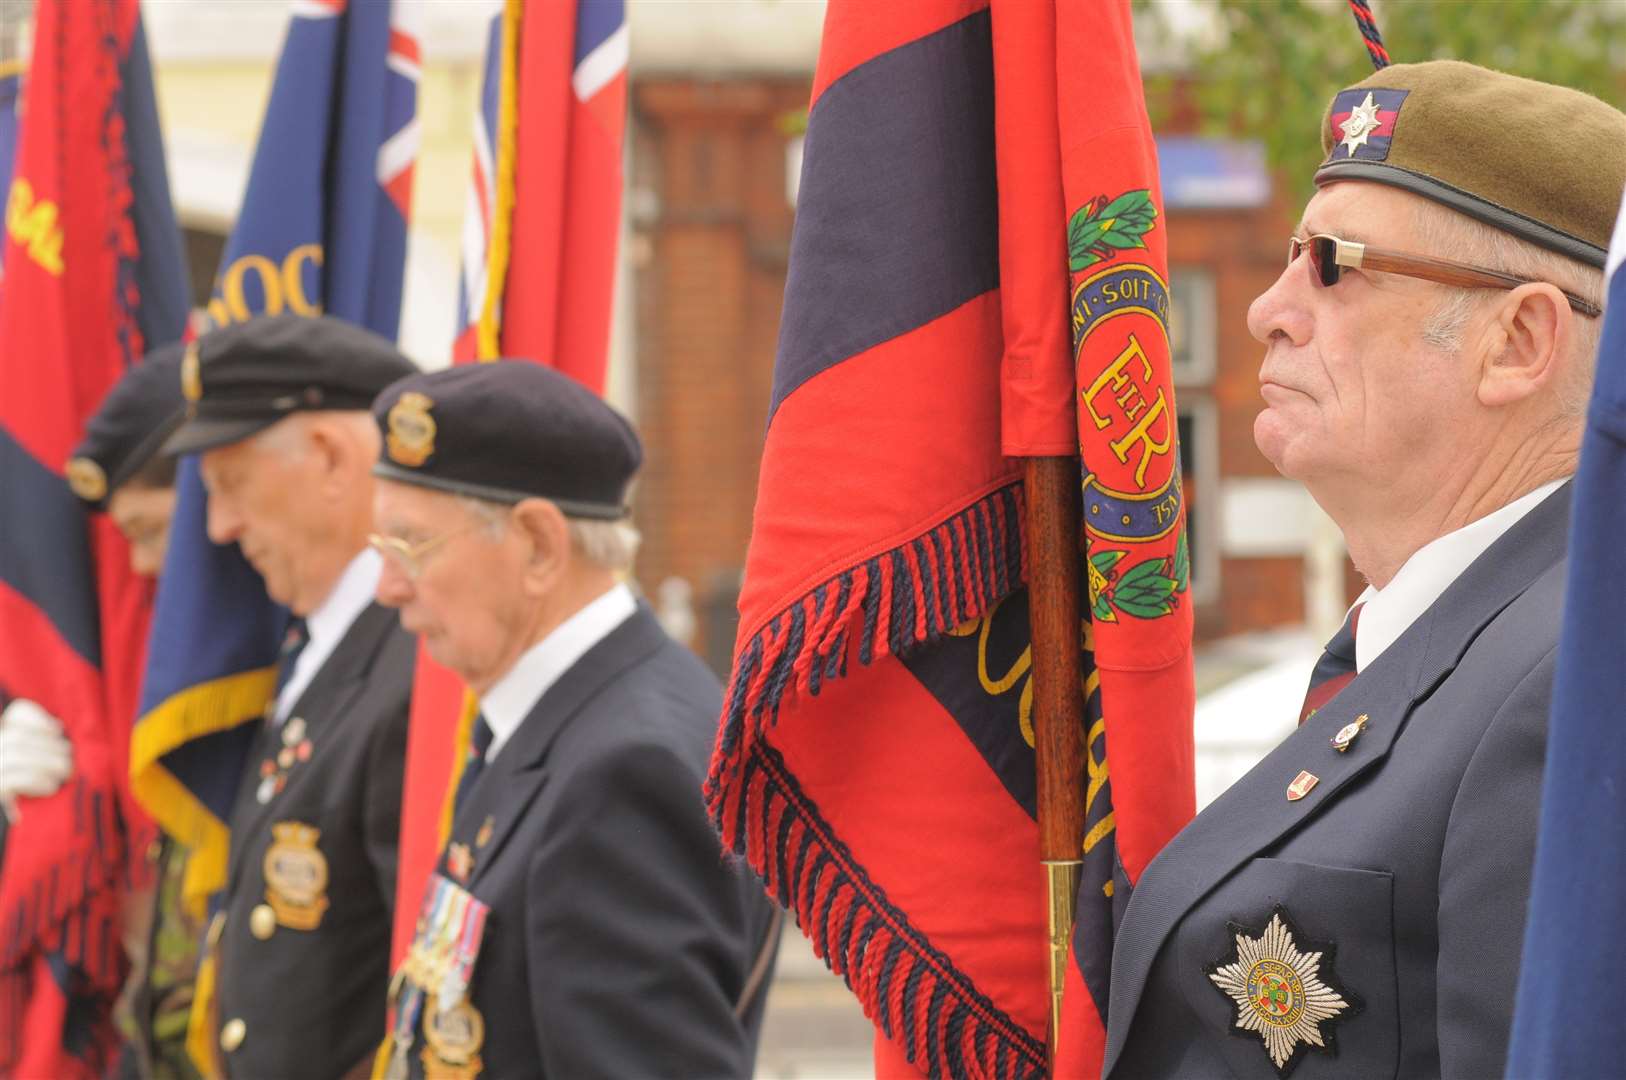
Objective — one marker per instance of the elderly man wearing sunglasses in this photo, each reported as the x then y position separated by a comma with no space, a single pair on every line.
1355,905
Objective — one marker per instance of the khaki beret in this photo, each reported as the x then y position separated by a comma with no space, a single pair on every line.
1544,163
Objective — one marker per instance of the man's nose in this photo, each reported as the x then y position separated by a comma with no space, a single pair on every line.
1284,307
394,587
225,524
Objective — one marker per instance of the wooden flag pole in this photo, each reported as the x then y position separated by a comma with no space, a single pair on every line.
1054,516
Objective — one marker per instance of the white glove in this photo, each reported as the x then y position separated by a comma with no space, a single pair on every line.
35,757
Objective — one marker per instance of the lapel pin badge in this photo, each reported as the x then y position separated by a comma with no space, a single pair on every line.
460,861
483,837
1302,785
1348,733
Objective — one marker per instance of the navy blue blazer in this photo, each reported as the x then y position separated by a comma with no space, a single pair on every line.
1371,927
620,941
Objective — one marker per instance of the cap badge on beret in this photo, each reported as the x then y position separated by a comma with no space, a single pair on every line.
1363,121
191,375
412,430
86,479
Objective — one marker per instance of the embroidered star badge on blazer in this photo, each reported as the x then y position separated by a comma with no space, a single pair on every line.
1284,990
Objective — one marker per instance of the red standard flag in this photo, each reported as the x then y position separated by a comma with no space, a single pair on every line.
875,757
547,167
94,277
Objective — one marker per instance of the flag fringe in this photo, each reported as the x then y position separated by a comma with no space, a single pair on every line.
887,605
204,709
910,990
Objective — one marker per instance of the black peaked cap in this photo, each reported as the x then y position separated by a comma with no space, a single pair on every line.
505,431
128,427
247,376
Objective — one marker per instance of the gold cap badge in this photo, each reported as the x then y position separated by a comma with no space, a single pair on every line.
412,430
191,375
86,479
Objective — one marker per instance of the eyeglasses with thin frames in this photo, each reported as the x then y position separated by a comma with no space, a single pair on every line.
1329,256
408,558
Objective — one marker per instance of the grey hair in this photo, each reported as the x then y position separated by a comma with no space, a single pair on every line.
609,545
1471,241
286,436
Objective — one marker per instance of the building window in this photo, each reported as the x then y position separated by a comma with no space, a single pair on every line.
1192,344
1199,479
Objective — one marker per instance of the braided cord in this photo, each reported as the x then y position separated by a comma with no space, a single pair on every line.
1368,27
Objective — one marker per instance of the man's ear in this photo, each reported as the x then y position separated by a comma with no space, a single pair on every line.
1522,349
542,524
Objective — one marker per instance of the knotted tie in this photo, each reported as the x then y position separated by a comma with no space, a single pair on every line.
1335,669
479,743
294,640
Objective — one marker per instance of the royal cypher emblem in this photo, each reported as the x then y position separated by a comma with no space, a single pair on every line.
1285,994
86,479
1139,562
411,437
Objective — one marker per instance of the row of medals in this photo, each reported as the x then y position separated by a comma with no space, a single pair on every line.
296,748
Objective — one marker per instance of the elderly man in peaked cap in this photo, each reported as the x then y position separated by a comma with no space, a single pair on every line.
1355,905
116,469
277,411
581,921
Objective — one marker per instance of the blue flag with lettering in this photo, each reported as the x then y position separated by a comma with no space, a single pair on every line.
322,230
1567,1019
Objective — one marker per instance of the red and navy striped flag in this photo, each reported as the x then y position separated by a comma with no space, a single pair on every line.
539,247
322,230
875,757
95,278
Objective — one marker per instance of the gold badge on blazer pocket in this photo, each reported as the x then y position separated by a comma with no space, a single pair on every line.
454,1036
296,876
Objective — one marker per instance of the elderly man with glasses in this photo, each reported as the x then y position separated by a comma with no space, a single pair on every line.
1354,906
582,921
277,412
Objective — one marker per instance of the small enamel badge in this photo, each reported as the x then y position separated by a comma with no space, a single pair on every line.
1302,785
483,837
460,861
1347,733
1283,991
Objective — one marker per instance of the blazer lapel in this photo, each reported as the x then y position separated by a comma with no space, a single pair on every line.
508,784
322,705
1255,812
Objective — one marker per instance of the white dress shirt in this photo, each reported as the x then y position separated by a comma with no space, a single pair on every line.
328,624
1388,612
511,698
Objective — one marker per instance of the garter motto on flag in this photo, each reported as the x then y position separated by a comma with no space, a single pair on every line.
875,760
94,278
548,134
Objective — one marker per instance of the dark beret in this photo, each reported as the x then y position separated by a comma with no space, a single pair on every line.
506,431
247,376
1542,162
128,427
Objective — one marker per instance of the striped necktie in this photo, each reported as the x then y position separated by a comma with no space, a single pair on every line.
1335,669
479,743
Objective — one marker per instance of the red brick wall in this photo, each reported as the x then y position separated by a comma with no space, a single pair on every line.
711,235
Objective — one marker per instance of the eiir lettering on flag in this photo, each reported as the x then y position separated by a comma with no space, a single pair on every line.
875,758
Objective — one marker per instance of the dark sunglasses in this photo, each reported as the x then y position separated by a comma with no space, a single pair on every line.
1329,255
